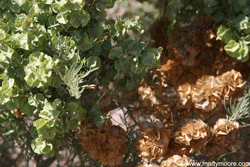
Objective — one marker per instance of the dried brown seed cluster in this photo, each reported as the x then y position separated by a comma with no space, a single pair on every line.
209,92
233,83
198,136
176,161
154,143
155,99
193,136
225,134
106,143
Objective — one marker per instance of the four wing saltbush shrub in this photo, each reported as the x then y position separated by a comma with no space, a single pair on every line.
51,50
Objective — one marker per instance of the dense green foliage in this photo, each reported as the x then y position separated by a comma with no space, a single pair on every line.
235,28
50,51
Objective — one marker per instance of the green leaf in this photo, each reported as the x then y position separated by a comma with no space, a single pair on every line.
232,46
34,104
85,18
105,81
13,103
38,145
233,54
45,128
148,58
228,35
41,146
237,7
119,25
72,106
232,1
33,132
62,18
78,18
48,2
19,2
210,3
8,83
241,22
208,10
51,110
243,53
84,44
99,120
242,2
48,148
93,61
125,44
97,48
221,32
134,47
246,39
119,75
94,111
40,123
26,108
21,40
76,112
130,84
39,70
115,52
136,67
219,16
23,22
79,2
99,30
245,59
2,35
122,64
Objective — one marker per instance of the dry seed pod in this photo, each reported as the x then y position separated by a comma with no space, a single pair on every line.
106,143
206,94
209,92
233,82
172,70
184,96
176,161
154,143
147,96
194,135
225,135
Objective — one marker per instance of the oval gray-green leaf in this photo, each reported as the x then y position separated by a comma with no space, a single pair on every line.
78,18
122,64
85,18
93,61
119,75
115,52
2,34
148,58
232,46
